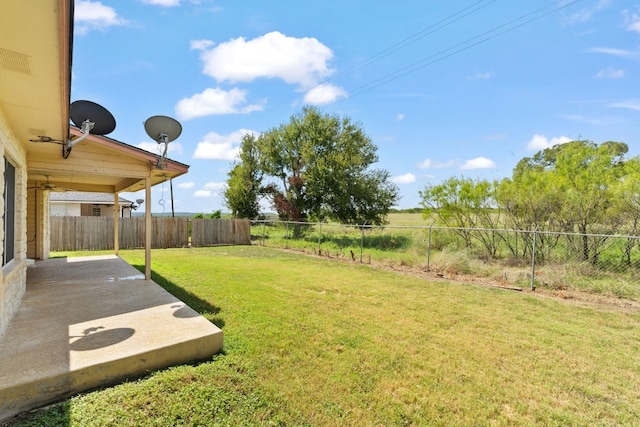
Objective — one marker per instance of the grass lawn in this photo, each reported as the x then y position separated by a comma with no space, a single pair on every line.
311,341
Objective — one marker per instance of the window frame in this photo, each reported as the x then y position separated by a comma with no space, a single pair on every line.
9,214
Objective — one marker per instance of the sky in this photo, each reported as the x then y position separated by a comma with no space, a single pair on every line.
462,88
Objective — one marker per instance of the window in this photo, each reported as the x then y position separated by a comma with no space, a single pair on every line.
9,211
95,211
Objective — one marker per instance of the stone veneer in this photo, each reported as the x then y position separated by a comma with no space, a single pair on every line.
13,275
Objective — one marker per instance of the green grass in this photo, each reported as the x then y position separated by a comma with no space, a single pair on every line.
405,243
311,341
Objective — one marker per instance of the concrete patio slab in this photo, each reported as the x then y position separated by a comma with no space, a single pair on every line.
93,321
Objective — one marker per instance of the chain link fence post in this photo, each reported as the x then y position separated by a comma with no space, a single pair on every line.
429,247
533,260
286,236
319,238
361,242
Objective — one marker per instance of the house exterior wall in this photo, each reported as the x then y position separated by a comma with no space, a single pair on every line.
64,209
13,275
84,209
105,210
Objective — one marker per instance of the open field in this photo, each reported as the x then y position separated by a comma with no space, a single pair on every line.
311,341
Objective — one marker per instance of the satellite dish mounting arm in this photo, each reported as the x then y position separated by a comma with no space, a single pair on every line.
163,138
163,130
86,127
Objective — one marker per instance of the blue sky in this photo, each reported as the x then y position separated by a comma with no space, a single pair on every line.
457,88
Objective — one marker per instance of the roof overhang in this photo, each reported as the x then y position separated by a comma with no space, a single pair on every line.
36,38
99,164
36,45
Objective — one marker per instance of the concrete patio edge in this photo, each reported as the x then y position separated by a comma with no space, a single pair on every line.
90,322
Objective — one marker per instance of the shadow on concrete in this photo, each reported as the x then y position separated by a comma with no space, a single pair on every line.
94,340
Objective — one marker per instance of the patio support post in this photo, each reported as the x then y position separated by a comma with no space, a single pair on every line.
147,229
116,226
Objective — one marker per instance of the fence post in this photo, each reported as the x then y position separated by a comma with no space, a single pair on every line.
286,236
320,238
429,247
263,224
533,260
361,242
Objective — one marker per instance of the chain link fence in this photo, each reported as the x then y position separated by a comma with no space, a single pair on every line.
598,263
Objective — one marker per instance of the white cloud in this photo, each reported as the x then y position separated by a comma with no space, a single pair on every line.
164,3
214,186
407,178
155,148
215,101
632,21
400,117
93,15
428,164
201,44
202,193
186,185
480,76
221,147
587,13
478,163
425,164
324,94
300,61
610,73
540,142
629,104
599,121
614,52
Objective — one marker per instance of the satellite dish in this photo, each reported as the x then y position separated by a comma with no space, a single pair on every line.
162,128
88,116
103,121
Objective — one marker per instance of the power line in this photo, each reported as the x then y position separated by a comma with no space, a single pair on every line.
462,46
420,35
433,28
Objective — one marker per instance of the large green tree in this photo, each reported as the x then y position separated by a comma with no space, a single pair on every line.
243,186
579,180
318,166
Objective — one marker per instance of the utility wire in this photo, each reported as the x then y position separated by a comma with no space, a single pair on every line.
419,35
442,54
462,46
457,16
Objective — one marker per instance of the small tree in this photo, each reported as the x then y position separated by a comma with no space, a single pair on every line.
243,186
467,205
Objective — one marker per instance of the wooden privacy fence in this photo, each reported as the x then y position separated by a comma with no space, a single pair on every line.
75,233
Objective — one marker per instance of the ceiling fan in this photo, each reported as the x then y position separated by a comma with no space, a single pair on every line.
48,186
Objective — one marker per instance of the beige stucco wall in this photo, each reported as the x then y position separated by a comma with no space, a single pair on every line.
13,275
